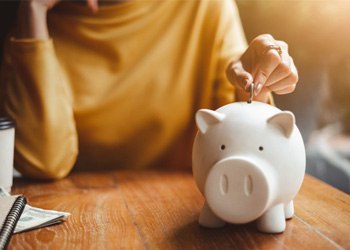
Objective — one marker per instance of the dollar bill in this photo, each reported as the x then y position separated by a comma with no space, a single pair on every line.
33,217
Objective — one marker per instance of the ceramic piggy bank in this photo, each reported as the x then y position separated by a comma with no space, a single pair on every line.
249,163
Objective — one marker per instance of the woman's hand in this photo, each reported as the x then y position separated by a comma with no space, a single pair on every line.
31,17
267,64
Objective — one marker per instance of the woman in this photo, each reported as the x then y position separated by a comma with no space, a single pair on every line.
117,85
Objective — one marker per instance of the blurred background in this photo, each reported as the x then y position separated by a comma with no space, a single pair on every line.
318,35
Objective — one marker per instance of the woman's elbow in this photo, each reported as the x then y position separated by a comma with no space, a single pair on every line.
51,167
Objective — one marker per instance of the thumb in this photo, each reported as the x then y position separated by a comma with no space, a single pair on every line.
237,75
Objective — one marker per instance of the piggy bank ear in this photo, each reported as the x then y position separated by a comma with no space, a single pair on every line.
284,120
206,117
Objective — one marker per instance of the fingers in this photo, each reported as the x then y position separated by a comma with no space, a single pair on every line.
285,85
267,64
274,68
285,70
238,75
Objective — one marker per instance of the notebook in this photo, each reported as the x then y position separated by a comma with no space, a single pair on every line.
11,208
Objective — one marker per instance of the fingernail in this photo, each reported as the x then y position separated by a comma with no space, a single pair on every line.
257,88
247,85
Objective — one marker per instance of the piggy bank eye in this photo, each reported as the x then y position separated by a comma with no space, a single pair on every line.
261,148
222,147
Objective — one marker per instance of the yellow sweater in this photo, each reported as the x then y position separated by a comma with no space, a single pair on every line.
118,88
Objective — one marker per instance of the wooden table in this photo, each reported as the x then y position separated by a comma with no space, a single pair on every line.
159,210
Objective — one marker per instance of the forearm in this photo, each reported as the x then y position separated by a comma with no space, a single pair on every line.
31,21
39,100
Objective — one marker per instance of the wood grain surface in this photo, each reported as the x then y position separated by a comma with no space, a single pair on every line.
159,210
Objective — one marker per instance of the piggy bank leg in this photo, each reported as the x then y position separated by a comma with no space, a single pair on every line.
208,219
289,210
273,221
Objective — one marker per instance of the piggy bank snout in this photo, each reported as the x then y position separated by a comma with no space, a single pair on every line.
237,190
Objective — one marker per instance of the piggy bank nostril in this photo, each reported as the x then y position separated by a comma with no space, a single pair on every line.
248,185
224,184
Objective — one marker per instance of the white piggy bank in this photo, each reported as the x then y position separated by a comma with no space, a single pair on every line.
249,163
